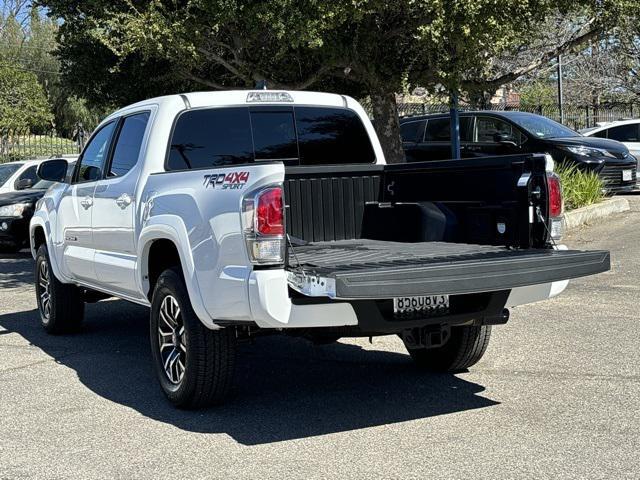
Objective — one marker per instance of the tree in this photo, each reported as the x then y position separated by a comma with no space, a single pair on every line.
27,43
23,103
123,50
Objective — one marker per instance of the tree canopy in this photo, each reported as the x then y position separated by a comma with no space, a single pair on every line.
23,103
118,51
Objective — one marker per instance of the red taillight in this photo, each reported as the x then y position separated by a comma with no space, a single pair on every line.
270,212
555,195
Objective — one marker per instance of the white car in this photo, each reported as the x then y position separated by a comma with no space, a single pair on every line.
21,175
244,213
625,131
16,176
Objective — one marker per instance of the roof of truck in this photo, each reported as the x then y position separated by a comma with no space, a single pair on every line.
241,97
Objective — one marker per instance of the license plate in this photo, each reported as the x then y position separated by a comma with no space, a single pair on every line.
423,303
627,175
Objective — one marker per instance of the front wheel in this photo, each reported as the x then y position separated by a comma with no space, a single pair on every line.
194,364
465,348
61,305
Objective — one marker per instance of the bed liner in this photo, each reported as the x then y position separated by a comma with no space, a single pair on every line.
357,269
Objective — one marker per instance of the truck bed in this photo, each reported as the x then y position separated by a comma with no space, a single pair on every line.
374,269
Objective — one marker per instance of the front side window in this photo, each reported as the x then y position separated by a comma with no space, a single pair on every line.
600,134
496,130
439,130
95,154
625,133
29,174
129,143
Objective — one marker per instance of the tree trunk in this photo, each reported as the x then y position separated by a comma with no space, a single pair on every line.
387,126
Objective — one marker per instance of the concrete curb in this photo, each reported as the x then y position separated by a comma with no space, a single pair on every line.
586,215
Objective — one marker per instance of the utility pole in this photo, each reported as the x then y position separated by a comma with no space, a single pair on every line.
455,124
560,92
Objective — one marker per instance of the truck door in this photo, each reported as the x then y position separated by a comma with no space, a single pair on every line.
77,206
115,206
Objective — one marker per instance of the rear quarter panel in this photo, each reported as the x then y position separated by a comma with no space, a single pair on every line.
205,219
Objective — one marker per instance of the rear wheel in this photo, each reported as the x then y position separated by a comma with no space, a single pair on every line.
61,305
194,364
465,348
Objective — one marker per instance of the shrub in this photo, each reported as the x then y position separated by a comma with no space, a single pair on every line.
579,188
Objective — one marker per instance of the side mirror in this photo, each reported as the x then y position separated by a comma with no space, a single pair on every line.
24,183
53,170
504,139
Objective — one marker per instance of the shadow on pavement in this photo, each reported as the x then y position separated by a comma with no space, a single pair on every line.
16,269
286,388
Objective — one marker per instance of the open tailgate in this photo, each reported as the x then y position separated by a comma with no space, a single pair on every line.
370,269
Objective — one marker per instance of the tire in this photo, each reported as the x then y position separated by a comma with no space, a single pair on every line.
465,348
61,305
200,362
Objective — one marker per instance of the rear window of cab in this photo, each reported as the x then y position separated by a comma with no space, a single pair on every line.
219,137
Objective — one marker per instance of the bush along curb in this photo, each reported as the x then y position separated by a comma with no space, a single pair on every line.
586,215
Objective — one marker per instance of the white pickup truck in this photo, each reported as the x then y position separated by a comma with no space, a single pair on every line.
241,213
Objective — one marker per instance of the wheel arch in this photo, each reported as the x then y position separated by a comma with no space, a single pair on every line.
165,245
39,234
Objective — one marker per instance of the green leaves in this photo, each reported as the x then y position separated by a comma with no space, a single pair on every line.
579,188
23,103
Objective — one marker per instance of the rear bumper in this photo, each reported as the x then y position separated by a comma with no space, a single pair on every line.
273,307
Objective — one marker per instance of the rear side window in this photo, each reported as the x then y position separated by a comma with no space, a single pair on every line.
409,131
297,135
211,138
332,136
624,133
127,149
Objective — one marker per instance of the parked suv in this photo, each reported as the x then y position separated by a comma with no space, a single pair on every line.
486,133
244,213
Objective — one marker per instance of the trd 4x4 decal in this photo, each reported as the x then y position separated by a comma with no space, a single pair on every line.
226,181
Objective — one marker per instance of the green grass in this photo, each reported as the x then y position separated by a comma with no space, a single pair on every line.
579,188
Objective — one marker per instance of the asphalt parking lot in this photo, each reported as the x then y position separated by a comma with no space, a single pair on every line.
556,396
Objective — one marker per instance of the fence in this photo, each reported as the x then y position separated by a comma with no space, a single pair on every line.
18,144
575,116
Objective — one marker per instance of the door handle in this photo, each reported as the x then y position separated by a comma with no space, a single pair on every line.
86,202
123,201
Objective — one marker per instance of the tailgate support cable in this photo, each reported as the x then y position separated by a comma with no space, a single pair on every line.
541,218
